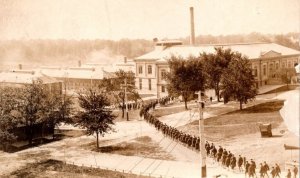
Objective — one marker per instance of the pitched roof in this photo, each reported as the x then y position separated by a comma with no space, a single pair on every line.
251,50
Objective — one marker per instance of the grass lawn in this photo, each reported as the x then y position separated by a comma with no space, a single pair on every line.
140,146
172,109
239,122
238,131
54,168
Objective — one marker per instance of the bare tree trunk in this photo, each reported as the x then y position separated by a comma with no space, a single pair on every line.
123,108
53,131
241,105
217,91
43,133
29,134
185,103
97,135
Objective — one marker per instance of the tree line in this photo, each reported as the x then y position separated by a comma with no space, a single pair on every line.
62,51
227,72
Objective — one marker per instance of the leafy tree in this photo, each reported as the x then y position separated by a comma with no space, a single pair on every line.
185,77
95,115
33,105
59,109
214,67
115,88
238,82
9,114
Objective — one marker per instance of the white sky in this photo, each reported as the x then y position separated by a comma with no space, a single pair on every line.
115,19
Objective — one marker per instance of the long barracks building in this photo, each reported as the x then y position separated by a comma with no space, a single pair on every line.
267,59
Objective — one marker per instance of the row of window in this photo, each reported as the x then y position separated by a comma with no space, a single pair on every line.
163,89
149,69
271,67
162,73
141,84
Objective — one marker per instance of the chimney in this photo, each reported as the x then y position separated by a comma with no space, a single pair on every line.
192,37
125,59
79,63
20,67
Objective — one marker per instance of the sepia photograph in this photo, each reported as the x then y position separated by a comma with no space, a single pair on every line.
149,88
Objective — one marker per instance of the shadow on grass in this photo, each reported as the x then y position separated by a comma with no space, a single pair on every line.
275,136
266,107
60,135
141,146
19,146
109,149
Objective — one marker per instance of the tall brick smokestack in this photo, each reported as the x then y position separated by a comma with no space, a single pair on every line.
192,37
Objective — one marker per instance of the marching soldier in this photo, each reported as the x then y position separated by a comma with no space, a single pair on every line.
295,170
247,165
233,162
266,169
277,170
240,162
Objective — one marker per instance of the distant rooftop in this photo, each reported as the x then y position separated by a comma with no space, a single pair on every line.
168,42
24,77
88,71
251,50
74,72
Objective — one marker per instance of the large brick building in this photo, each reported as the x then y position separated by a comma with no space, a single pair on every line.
267,59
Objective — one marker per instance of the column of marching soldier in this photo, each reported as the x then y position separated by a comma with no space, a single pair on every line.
131,105
220,155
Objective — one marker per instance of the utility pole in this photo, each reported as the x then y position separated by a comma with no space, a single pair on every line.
202,139
125,97
126,107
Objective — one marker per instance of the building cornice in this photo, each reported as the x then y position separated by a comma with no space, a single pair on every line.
275,57
145,60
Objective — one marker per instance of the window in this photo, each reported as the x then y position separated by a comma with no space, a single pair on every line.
149,83
289,64
283,64
163,89
140,69
277,66
255,71
149,69
140,83
271,67
264,69
163,74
